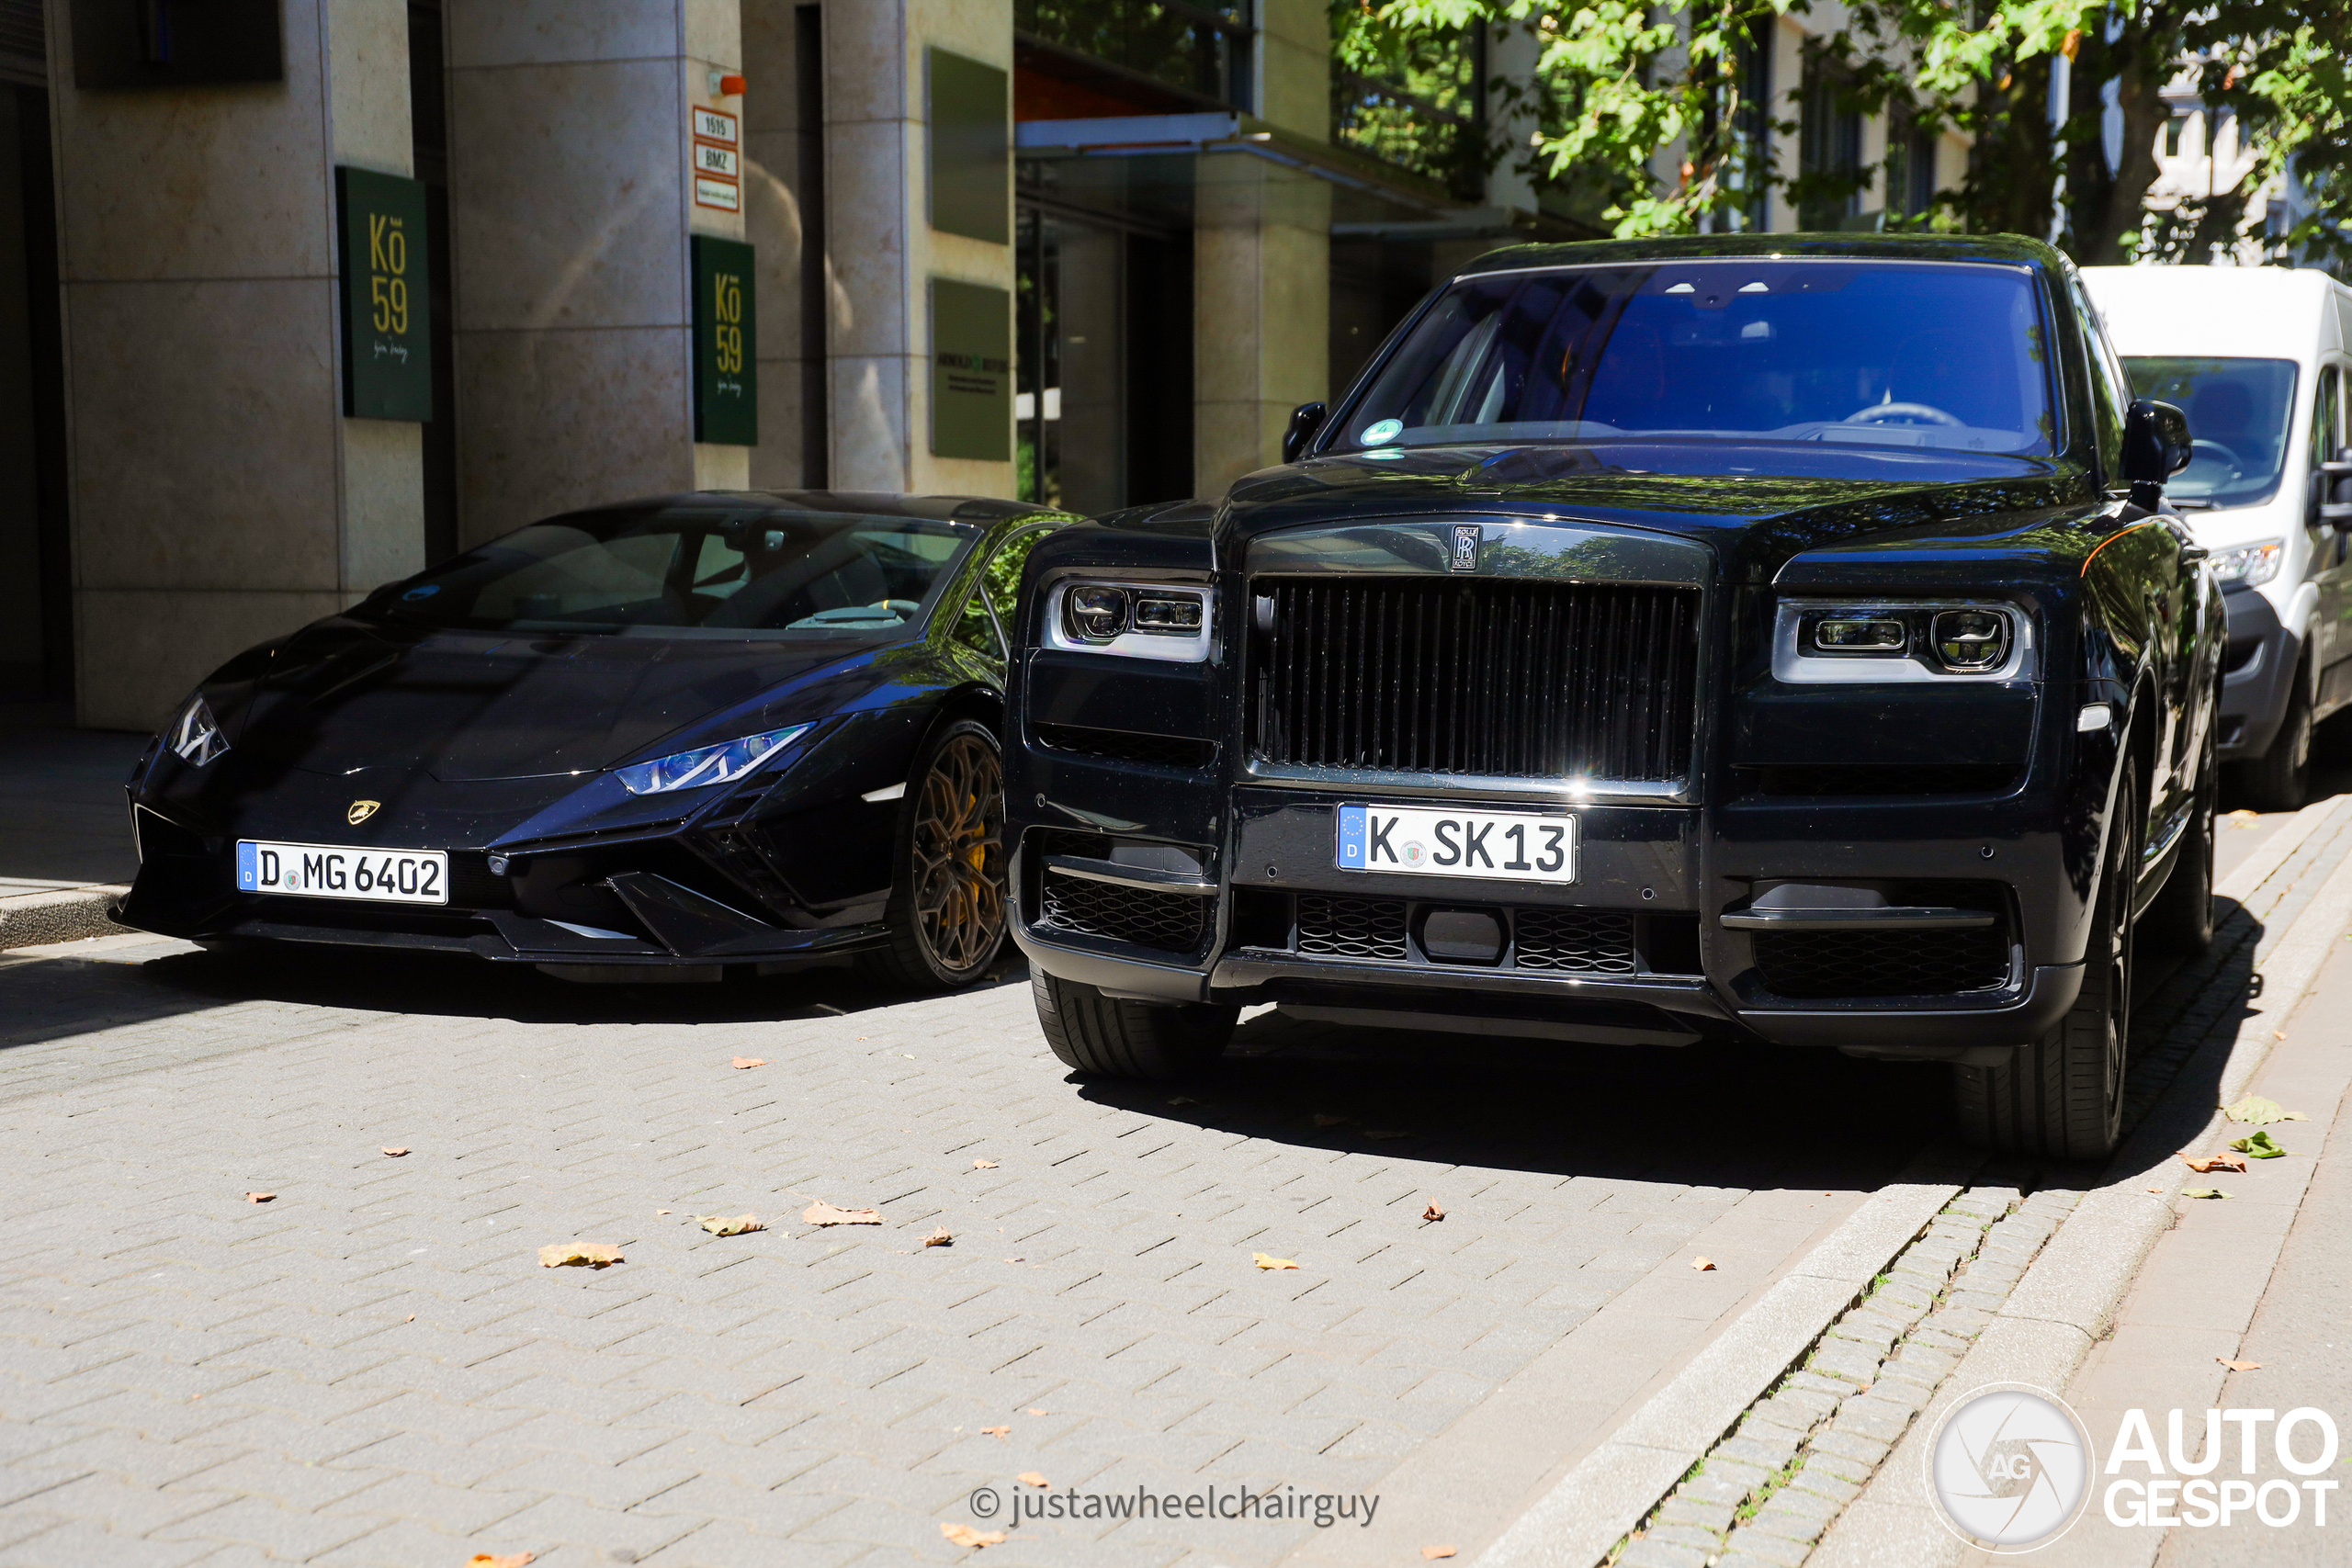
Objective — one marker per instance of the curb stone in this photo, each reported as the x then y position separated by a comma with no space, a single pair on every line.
69,914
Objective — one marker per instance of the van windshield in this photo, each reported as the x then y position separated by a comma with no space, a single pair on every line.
689,572
1882,353
2238,411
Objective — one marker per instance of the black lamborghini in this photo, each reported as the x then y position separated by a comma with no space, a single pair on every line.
640,742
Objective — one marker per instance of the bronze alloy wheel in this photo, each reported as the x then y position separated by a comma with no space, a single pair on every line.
947,917
959,854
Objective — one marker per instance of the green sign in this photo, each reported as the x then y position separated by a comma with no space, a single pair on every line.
971,371
971,148
726,367
386,298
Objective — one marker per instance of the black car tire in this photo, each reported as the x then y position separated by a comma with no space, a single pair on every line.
2281,779
1110,1038
2180,923
2061,1096
946,914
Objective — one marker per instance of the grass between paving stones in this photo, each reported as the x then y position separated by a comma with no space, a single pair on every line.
1719,1512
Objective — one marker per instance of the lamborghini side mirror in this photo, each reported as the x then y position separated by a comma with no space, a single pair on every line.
1304,421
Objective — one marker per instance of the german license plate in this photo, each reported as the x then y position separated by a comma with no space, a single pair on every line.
341,870
1418,840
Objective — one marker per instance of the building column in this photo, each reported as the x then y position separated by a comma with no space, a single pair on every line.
220,497
573,205
784,217
1261,265
884,252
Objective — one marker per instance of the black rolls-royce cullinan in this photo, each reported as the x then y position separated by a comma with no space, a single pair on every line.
642,742
1775,640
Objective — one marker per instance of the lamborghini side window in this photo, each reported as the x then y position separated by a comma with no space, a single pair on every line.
988,615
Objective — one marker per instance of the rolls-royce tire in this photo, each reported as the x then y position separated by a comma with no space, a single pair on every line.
2281,779
946,914
2061,1096
1115,1039
2180,923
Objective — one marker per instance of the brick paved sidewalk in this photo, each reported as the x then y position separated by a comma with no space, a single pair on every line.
373,1368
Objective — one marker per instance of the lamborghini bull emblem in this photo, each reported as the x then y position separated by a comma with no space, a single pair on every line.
359,811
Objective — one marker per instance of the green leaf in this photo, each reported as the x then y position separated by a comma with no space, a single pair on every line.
2202,1192
2255,1110
2259,1145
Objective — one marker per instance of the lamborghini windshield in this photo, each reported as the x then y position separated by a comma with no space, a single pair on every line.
688,572
1883,354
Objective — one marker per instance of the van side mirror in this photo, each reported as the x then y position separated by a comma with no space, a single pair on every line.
1304,421
2332,493
2155,446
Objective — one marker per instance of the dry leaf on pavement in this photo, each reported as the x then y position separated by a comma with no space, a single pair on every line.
742,1061
2259,1145
965,1534
2239,1366
2244,819
395,1151
1433,1552
259,1196
1263,1261
591,1253
1432,1212
984,1165
939,1238
1031,1478
996,1431
1703,1264
823,1213
2258,1111
1035,1410
2209,1163
720,1224
516,1560
2202,1192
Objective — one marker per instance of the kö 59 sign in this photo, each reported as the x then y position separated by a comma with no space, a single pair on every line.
387,293
727,385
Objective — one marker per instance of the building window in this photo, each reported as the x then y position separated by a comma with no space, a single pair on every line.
1200,49
2170,145
1829,156
1910,169
1414,101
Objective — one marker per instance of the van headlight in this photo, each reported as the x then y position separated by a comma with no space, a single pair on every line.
2253,565
1137,620
1879,641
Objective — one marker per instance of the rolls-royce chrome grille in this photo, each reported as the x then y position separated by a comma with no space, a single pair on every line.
1495,678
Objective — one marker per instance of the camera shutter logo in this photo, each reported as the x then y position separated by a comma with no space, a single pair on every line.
1465,547
2009,1467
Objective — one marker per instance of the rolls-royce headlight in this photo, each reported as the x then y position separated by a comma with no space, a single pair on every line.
707,764
1137,620
1877,640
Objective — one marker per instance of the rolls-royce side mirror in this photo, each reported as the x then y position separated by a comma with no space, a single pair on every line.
2155,446
1304,421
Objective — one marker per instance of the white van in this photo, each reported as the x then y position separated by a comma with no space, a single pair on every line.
2258,359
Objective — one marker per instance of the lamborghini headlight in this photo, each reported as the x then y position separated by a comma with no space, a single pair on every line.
707,764
195,737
